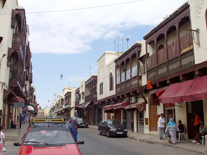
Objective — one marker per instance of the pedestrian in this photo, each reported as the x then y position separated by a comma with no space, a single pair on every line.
73,128
161,125
202,132
170,116
172,129
197,121
2,140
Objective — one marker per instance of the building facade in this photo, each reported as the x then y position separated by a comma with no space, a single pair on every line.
15,62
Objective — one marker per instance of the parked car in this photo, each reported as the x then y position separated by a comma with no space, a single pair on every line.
81,122
112,128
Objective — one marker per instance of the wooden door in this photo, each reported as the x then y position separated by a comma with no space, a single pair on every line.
153,117
118,114
108,115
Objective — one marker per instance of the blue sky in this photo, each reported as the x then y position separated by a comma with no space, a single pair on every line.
70,42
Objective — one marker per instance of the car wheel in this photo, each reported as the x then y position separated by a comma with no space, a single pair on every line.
108,134
99,132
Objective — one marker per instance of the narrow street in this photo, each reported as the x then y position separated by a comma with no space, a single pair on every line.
102,145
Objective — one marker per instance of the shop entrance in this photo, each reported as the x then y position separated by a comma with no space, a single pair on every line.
196,106
140,122
169,110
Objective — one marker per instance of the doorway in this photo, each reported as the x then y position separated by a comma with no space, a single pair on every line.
196,106
140,121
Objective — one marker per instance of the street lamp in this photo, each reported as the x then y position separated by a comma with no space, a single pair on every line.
61,76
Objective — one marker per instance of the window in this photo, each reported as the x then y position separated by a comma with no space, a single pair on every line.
110,82
123,77
83,95
206,19
134,71
101,88
128,74
118,79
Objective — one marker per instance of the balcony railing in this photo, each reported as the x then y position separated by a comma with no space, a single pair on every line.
91,97
127,85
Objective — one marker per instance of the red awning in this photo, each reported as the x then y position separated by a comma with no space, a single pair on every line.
108,107
174,93
120,105
16,99
198,91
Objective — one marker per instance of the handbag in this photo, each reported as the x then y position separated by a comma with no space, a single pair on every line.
4,149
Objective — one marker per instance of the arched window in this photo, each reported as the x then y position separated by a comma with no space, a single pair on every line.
160,47
110,82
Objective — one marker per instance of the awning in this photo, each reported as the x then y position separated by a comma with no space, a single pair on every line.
120,105
174,93
77,106
157,90
139,106
198,91
108,109
85,105
16,99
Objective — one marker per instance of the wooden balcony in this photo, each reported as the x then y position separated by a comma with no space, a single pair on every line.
91,97
160,65
17,44
127,85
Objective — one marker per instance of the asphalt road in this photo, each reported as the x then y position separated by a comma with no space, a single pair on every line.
102,145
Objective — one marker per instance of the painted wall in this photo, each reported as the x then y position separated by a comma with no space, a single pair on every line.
105,66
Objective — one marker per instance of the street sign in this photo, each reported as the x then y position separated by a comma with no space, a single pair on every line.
18,104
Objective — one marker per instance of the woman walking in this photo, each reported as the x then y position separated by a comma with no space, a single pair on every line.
2,140
172,129
73,128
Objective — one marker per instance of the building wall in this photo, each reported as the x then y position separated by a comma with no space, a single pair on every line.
82,89
105,66
46,111
198,21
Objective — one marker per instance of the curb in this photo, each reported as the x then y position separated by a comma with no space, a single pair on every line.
152,142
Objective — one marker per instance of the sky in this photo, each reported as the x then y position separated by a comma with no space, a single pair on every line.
67,37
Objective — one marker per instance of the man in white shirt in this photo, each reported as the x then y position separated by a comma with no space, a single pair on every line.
161,125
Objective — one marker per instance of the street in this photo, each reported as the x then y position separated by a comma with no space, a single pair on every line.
101,145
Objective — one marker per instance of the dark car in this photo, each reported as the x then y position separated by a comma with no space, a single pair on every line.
81,122
112,128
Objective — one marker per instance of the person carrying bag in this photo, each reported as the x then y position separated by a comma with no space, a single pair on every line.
2,141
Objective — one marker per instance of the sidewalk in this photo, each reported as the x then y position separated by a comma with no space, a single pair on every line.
153,139
13,134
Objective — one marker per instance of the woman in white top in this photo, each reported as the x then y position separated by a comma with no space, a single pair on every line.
2,140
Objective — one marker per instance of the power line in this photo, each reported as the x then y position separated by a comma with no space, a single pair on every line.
77,9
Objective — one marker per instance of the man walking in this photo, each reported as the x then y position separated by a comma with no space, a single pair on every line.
161,125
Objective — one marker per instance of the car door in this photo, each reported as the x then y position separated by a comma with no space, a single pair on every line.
102,124
105,126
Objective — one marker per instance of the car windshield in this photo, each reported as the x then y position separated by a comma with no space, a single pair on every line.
114,122
79,119
51,136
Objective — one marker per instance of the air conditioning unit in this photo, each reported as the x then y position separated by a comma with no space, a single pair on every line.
132,99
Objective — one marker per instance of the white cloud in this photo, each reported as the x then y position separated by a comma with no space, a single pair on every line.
74,31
